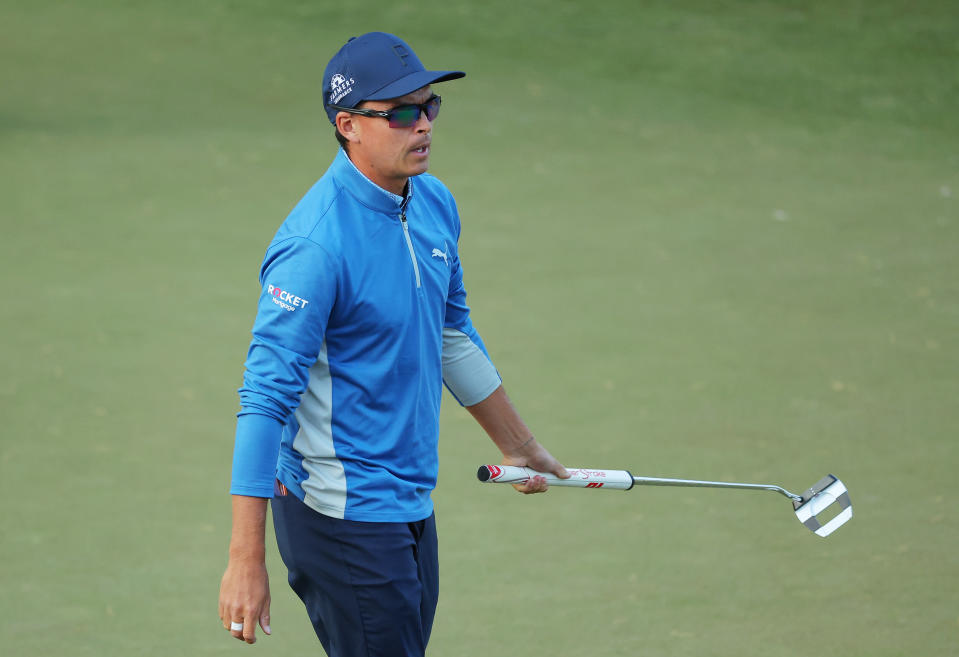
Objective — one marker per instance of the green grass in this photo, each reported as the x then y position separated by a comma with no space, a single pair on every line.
711,240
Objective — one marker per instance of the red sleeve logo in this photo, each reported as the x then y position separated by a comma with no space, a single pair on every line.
285,300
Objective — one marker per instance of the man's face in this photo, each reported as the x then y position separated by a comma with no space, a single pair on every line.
389,156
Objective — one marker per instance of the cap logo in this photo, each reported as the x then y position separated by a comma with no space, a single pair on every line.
401,53
339,87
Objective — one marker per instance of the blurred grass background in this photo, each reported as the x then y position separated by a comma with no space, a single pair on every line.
702,239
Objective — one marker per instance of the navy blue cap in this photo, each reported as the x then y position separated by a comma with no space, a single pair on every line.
375,66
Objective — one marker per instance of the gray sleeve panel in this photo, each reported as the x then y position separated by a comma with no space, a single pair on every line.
467,371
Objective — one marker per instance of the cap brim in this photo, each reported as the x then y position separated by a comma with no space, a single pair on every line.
412,82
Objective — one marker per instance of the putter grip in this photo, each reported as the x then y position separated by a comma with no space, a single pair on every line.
579,477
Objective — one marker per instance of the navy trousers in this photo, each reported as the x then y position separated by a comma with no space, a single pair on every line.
370,588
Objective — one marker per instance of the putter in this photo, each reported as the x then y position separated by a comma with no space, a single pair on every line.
809,506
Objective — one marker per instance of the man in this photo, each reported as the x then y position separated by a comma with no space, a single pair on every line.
362,319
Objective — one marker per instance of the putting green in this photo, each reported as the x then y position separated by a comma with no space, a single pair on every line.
702,241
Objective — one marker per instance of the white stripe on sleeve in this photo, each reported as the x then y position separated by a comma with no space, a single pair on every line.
467,372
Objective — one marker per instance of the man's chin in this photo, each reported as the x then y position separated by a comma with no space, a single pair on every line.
420,167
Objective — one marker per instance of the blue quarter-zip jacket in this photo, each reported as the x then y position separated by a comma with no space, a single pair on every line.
361,318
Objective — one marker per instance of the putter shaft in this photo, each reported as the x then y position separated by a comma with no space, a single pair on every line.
695,483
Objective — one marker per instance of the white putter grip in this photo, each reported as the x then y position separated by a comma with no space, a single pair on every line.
579,477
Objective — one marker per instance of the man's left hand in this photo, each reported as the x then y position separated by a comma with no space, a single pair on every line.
534,456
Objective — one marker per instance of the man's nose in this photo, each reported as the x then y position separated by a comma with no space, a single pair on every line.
423,124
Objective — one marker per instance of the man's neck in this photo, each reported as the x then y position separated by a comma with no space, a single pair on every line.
397,187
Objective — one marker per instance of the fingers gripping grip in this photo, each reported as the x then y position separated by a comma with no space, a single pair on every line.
579,477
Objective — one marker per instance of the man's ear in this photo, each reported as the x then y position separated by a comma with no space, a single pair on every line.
349,128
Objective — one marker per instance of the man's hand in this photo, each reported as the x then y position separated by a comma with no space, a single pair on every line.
534,456
245,587
245,599
506,428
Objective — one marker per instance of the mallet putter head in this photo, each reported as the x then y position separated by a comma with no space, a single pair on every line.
828,491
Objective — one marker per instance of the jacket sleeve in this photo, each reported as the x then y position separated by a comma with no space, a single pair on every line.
468,372
298,280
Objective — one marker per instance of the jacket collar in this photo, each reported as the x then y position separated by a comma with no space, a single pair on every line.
365,190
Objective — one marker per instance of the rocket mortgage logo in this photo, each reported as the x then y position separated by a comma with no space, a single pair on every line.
285,300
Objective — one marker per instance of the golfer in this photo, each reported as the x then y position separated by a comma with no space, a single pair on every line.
362,318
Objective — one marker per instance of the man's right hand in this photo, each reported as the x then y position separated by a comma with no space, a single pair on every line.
245,587
245,598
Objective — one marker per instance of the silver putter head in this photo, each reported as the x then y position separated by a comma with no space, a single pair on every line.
820,497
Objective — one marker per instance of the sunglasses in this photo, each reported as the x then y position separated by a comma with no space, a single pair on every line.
401,116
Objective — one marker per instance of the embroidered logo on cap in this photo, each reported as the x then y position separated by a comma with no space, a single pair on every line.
339,87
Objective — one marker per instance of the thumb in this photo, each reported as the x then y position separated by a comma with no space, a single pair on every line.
553,466
265,619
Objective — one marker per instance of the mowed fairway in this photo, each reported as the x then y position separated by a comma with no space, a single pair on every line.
706,240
